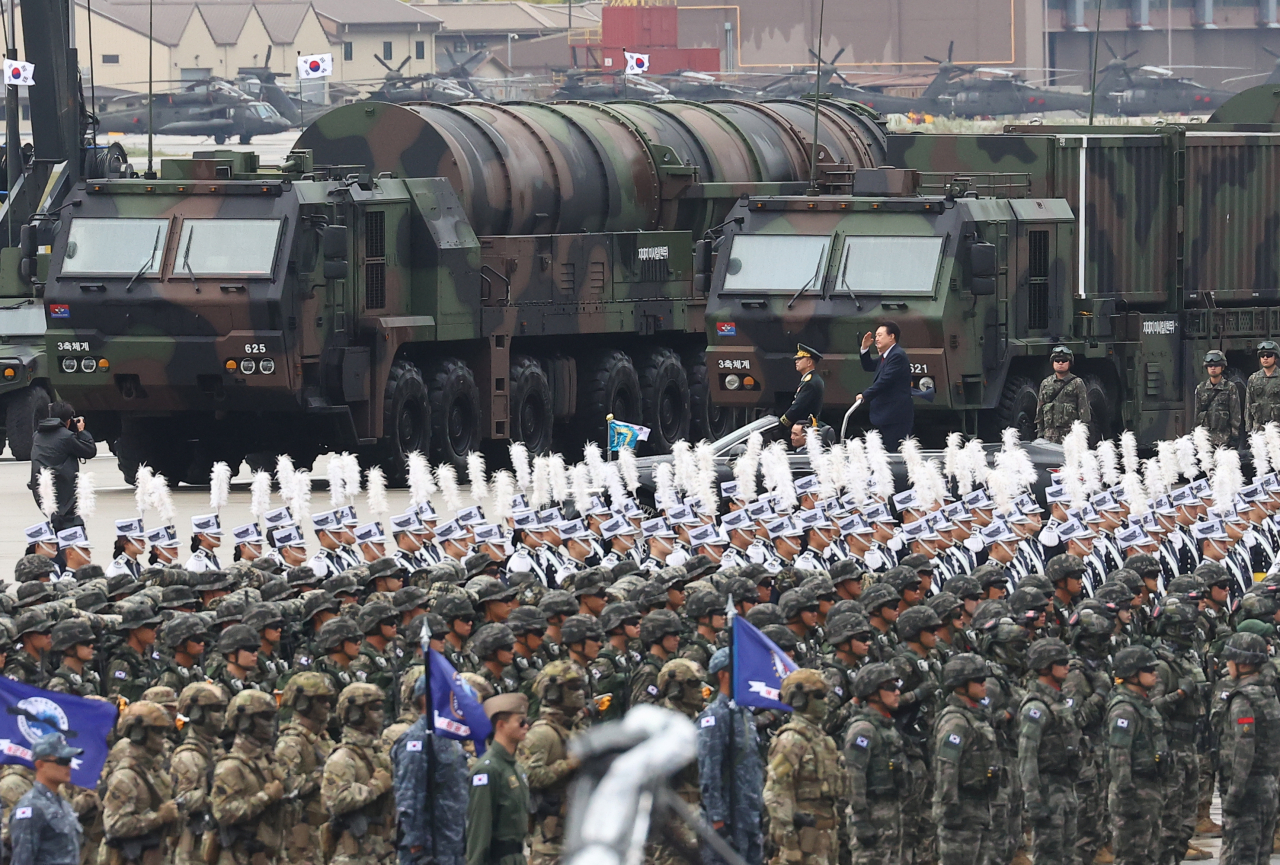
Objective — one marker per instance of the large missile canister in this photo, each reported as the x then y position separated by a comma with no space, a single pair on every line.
568,167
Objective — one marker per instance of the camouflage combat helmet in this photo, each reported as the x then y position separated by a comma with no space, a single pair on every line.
945,604
558,603
1178,618
1061,352
1144,565
1268,345
438,627
276,590
783,637
70,633
579,629
869,679
248,703
164,695
528,620
30,594
657,625
1214,356
701,604
548,687
1186,586
842,628
1245,649
177,596
915,620
1213,574
966,588
800,686
1063,566
202,703
762,615
900,578
492,638
181,628
137,615
1132,660
238,637
32,622
308,685
263,616
796,601
374,616
357,696
1256,605
614,616
879,596
1045,653
963,669
231,609
33,567
682,671
335,632
302,575
143,714
452,607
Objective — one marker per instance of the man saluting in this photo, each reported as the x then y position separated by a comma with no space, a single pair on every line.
807,405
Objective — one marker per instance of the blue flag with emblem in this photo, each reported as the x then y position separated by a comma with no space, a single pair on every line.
625,435
759,667
456,712
28,713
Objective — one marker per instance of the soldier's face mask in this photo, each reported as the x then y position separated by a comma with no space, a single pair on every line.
157,738
320,709
263,727
575,695
815,708
373,716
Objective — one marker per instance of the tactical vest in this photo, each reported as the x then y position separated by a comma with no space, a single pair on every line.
886,760
1059,412
817,781
1213,406
1266,719
981,762
1148,739
1059,734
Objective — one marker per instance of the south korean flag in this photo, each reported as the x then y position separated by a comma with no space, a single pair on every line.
315,65
637,64
19,73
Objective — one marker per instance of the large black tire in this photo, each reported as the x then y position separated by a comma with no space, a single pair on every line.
532,420
608,386
455,412
708,420
1102,410
1017,408
664,395
406,422
153,442
23,411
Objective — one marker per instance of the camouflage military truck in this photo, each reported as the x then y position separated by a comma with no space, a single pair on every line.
419,278
25,391
1138,248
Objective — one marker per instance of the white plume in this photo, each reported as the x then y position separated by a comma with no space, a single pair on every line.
747,466
163,499
664,484
1204,449
1016,460
1135,494
219,486
1227,479
1076,496
540,496
1272,432
559,478
837,463
1185,451
931,486
351,474
952,459
704,456
975,467
284,473
912,458
299,496
682,461
375,484
447,480
776,468
580,480
708,495
1153,477
1129,451
142,488
504,490
477,476
627,466
1002,485
613,483
1108,463
421,483
48,497
520,465
595,464
858,472
881,474
87,495
155,484
337,481
1258,448
1167,453
259,494
1090,476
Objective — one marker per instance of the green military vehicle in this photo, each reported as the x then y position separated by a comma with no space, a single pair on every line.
1138,248
428,278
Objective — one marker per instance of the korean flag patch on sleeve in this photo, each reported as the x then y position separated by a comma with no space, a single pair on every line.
860,742
22,814
121,674
953,739
1122,723
415,745
652,689
481,780
709,721
1035,714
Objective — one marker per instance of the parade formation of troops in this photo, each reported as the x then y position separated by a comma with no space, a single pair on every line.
990,669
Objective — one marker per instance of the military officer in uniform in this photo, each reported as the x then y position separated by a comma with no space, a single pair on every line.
44,828
75,640
1218,403
356,789
1250,756
498,808
1262,395
967,767
807,405
191,767
249,785
138,808
430,831
1062,399
544,755
877,760
303,747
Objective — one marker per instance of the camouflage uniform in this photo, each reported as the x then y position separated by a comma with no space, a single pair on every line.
45,830
437,826
191,769
1059,404
544,757
1179,669
1218,411
1048,760
303,754
67,681
731,776
134,808
250,821
1250,754
967,781
129,673
644,680
875,753
1262,399
356,791
1088,685
21,667
680,683
1135,745
15,782
611,675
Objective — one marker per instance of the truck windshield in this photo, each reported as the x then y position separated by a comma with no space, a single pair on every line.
889,265
227,247
776,263
115,247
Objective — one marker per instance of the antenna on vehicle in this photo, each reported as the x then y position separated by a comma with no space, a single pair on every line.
1093,76
151,94
13,137
817,103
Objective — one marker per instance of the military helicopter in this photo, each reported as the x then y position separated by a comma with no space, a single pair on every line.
697,86
452,86
211,107
260,83
1156,89
610,86
1273,77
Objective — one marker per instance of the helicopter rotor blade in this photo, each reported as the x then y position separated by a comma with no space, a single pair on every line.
1130,54
1107,42
951,46
839,54
1274,54
267,62
932,59
403,63
382,63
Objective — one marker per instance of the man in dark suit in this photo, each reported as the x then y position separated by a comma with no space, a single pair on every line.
892,411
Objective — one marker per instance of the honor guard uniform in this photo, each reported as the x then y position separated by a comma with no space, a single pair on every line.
202,558
74,544
128,531
329,561
807,405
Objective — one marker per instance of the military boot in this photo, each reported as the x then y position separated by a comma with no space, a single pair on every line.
1195,854
1205,827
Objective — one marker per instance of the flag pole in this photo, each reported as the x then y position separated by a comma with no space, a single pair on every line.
733,725
431,743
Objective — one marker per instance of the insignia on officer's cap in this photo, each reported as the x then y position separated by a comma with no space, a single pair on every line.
164,536
729,489
277,517
487,533
406,522
40,533
906,499
289,536
806,484
426,512
759,510
131,528
549,517
369,533
75,536
656,528
207,524
246,534
449,531
470,516
524,519
738,519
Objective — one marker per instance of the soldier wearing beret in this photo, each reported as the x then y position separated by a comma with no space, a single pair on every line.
498,806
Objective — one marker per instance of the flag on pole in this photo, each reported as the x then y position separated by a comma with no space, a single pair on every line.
28,713
315,65
625,435
19,73
455,706
637,64
759,667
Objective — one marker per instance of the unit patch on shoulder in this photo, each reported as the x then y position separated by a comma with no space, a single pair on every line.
481,780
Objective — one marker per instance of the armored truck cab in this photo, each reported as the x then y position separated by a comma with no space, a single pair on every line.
971,268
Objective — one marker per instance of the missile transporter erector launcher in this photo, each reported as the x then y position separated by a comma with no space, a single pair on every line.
1138,248
419,278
